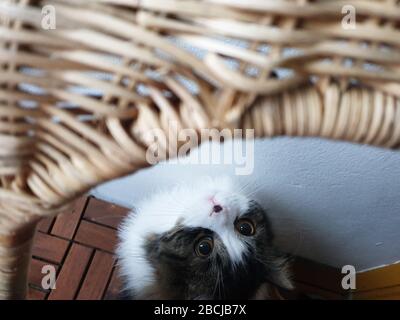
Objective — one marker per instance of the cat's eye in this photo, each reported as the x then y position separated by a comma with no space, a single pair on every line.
245,227
204,247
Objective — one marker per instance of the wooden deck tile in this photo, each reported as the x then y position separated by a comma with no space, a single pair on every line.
49,248
97,277
80,244
96,236
35,271
34,294
114,287
105,213
45,225
72,271
67,222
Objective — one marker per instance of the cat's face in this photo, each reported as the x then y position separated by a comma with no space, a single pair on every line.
216,243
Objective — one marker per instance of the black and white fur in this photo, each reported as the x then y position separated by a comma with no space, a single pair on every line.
157,256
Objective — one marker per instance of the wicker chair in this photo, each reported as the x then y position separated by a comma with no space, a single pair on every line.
76,101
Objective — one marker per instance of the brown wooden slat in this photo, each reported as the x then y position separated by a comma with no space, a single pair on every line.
317,292
105,213
318,275
67,222
45,225
391,293
114,287
34,294
96,236
49,248
35,272
387,276
71,273
97,277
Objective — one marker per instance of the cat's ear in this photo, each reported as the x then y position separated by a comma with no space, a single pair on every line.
279,273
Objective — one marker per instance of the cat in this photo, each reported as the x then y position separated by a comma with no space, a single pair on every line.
204,240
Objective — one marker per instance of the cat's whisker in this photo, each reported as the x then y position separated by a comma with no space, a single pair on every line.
252,192
222,282
220,292
216,284
251,183
255,189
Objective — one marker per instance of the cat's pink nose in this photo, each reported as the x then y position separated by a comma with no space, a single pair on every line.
217,208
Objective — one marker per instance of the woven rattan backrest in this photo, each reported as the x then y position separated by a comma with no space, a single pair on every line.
77,100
